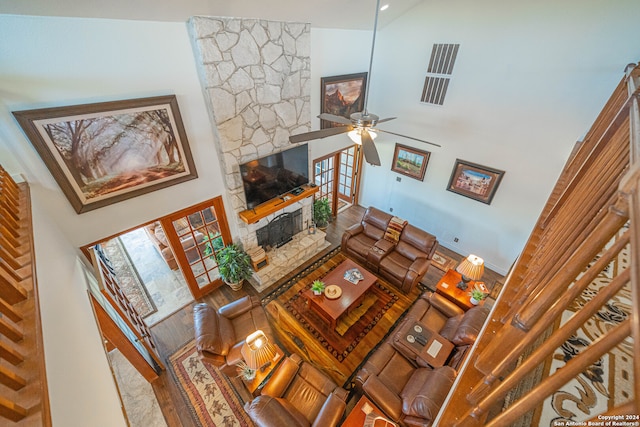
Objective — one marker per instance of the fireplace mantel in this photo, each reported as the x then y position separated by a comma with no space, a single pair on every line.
251,216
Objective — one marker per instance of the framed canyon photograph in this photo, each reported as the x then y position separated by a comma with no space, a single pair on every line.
474,181
107,152
342,96
410,161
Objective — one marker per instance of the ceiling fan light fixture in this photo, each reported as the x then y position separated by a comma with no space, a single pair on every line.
356,135
385,7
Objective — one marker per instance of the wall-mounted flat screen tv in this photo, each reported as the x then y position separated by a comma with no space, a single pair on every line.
275,175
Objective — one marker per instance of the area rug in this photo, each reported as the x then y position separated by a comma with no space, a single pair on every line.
342,350
609,381
128,278
212,400
443,262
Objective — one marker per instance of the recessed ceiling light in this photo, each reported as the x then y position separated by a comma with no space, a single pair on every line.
385,7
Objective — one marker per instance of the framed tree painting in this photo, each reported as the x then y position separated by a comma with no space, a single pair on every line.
107,152
342,96
474,181
410,161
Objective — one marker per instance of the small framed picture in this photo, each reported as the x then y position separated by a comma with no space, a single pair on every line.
342,96
474,181
410,161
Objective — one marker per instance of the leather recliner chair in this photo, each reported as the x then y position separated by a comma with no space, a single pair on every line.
221,333
404,386
408,262
298,395
359,239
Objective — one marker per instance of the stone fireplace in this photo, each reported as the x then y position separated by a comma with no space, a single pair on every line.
255,76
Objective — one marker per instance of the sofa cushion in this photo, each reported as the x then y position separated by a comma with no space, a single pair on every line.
464,329
361,244
272,411
425,392
213,332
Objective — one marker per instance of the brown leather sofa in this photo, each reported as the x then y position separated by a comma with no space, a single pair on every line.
298,395
221,333
404,386
403,263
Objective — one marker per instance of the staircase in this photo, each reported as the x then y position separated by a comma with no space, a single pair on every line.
24,399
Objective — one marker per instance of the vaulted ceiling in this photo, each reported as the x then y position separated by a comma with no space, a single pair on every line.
349,14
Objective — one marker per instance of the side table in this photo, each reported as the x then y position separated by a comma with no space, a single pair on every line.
447,288
366,414
255,385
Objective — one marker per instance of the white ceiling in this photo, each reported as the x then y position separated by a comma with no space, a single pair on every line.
348,14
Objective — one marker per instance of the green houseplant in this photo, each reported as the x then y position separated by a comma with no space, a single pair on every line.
476,295
322,212
317,287
234,265
244,371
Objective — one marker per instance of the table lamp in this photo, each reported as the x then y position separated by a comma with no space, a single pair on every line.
471,268
257,351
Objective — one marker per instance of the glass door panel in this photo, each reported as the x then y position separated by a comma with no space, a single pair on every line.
199,233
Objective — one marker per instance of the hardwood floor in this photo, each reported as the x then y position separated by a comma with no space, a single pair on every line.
175,331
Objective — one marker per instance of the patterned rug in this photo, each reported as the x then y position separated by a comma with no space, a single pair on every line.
608,382
338,351
128,277
443,262
212,400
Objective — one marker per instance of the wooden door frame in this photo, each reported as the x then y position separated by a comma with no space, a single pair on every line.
179,254
358,157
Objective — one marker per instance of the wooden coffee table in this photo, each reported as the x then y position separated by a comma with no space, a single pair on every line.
352,294
447,287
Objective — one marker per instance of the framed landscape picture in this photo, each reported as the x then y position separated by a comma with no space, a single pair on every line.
107,152
410,161
342,96
474,181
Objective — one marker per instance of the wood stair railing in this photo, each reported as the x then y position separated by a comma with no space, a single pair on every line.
592,215
24,399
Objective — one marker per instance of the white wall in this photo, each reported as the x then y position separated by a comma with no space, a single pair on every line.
53,62
529,80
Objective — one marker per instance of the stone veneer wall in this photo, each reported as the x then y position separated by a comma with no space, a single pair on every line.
255,74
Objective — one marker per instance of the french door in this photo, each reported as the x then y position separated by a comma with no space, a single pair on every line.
196,235
336,175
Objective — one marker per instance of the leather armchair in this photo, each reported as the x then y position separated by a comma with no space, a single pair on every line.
405,266
221,333
360,238
298,395
404,386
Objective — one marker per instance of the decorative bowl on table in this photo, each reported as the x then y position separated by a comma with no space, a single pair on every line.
333,291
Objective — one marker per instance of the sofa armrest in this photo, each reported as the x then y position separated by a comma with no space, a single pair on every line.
212,359
350,232
239,306
280,380
385,399
332,410
445,306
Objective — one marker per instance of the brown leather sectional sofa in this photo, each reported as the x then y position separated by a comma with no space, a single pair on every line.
403,263
404,386
298,395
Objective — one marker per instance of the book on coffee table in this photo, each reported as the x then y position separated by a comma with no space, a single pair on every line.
353,275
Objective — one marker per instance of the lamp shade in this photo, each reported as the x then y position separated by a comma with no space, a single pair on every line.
472,268
257,351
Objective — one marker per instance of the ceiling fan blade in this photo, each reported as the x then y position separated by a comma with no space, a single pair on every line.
386,120
317,134
334,118
369,148
408,137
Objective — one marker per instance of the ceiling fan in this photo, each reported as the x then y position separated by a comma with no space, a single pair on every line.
361,123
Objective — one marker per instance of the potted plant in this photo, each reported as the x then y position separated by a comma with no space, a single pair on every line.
244,371
322,213
476,295
317,287
234,265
